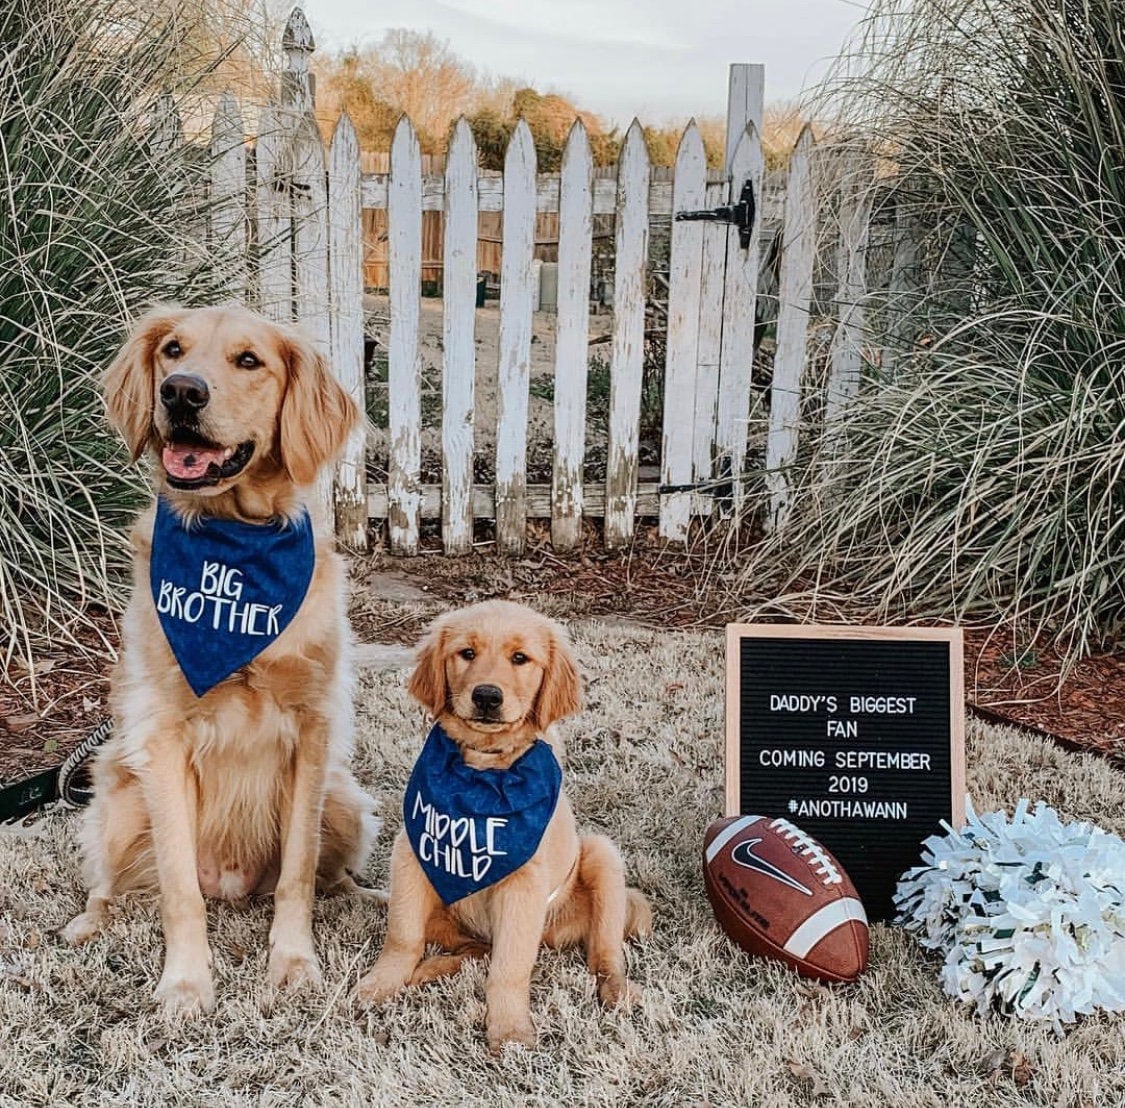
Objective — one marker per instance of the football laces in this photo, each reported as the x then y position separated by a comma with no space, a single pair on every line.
821,863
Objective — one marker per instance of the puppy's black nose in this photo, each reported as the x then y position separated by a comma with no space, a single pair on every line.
488,697
184,394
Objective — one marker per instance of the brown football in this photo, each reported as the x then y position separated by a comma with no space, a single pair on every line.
776,891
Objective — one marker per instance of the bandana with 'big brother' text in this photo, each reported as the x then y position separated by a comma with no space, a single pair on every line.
471,828
224,590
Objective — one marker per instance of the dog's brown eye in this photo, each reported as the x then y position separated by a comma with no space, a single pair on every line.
248,360
519,658
172,349
468,653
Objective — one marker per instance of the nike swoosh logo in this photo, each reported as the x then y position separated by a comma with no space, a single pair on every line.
744,855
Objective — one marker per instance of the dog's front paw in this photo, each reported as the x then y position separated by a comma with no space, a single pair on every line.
185,994
83,928
294,969
617,991
520,1031
378,986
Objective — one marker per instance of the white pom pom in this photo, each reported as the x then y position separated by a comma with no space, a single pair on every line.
1030,915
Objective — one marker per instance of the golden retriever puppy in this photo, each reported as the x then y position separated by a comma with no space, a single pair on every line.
490,858
228,771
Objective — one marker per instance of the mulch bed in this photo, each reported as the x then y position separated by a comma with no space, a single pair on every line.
45,713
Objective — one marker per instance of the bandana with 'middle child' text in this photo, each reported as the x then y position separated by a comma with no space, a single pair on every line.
471,828
224,590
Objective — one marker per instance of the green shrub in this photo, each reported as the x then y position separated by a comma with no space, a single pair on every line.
981,468
96,221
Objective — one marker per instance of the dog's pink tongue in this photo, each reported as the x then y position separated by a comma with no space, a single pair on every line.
190,462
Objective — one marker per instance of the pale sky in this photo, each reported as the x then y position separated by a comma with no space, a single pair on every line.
655,59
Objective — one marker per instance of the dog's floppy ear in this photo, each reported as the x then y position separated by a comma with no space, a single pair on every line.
316,415
560,694
427,683
128,383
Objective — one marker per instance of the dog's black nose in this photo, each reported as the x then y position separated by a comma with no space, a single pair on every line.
488,697
184,394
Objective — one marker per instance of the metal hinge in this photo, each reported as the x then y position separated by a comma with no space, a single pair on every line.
740,214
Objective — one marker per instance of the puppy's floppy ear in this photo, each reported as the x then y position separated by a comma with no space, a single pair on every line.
128,382
427,683
560,694
316,415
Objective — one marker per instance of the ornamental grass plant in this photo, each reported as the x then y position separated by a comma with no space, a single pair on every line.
99,216
979,470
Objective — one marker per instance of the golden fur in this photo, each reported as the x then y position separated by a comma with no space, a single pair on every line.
571,891
247,789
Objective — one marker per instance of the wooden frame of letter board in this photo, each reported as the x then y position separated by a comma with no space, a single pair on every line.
952,635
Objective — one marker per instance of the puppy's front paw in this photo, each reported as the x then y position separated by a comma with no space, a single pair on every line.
520,1031
185,994
294,969
378,986
617,991
83,928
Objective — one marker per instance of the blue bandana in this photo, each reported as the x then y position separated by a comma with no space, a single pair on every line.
473,827
224,590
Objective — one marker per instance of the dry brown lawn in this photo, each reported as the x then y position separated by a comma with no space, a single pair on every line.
717,1028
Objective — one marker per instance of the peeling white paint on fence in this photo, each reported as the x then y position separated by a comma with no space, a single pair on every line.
572,352
228,193
709,344
458,328
851,263
688,194
404,383
275,226
309,199
798,252
739,301
345,251
517,302
628,350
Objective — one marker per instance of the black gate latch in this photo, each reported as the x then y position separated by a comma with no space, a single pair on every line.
740,214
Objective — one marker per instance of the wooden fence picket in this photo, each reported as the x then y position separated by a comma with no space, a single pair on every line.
903,283
576,228
688,193
345,252
628,351
274,217
228,193
517,302
458,329
309,199
739,300
709,344
798,252
851,261
404,204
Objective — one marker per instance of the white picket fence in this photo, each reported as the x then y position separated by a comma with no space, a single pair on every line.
300,217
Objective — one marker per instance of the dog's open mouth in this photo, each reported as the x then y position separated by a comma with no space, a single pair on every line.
193,462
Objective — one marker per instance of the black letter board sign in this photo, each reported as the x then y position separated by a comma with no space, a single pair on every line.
855,734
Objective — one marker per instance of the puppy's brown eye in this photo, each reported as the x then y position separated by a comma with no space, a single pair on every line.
248,360
468,653
172,349
519,658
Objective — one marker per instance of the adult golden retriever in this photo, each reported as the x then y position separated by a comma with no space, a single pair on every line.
495,677
245,789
